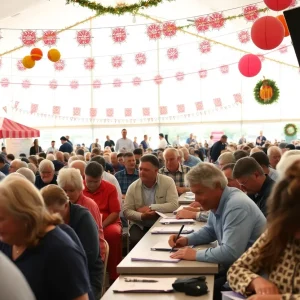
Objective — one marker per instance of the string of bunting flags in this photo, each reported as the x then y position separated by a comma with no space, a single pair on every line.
168,29
145,112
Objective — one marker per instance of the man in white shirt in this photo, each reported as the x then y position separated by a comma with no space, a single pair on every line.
124,144
52,149
162,142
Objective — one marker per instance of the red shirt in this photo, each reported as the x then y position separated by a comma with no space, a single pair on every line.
94,210
106,197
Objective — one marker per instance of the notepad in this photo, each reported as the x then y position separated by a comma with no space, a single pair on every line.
164,246
179,208
189,195
176,221
164,216
163,285
170,230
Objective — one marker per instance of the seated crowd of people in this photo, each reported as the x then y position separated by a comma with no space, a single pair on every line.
58,209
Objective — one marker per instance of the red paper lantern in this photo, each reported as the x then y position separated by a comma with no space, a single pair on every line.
281,18
278,5
250,65
36,54
267,33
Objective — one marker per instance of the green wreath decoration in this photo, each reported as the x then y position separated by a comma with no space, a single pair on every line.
290,129
266,92
120,9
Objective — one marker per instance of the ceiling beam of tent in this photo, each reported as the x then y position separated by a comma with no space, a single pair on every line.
216,42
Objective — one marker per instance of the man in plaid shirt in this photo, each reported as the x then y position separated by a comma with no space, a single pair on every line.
174,169
130,174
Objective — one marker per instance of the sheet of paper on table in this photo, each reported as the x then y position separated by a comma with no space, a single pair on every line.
171,230
153,256
176,221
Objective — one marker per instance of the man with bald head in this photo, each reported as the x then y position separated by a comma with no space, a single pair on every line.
79,165
274,155
17,164
189,160
174,169
115,163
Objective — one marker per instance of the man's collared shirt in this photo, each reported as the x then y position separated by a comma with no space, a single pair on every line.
125,179
192,161
178,176
236,225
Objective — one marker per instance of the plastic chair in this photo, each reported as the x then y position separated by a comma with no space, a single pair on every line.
105,266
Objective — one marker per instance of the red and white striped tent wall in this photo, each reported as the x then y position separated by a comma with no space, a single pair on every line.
10,130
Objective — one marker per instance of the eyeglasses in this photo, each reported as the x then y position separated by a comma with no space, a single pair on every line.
243,183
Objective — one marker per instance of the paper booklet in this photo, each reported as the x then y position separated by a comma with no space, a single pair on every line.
179,208
163,257
164,246
134,284
189,195
164,216
176,221
170,230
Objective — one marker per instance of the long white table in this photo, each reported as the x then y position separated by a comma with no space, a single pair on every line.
143,248
183,201
109,295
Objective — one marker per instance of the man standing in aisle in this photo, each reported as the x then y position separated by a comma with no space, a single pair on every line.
217,148
124,144
65,145
109,143
163,144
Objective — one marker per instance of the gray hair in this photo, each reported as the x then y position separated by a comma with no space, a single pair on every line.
255,150
173,150
226,158
287,160
70,176
46,163
273,149
50,156
19,164
207,175
27,173
71,159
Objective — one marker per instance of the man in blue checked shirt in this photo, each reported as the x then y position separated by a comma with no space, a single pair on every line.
130,174
234,221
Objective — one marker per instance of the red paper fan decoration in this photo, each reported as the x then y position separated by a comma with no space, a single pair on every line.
283,49
20,66
26,84
136,81
119,35
117,61
205,47
140,59
181,108
199,105
49,38
163,110
56,110
28,38
158,79
89,63
224,69
110,112
202,24
202,74
117,83
218,102
74,84
251,13
146,111
59,65
244,36
238,98
53,84
96,84
172,53
169,29
84,37
180,76
128,112
216,20
93,112
154,31
76,111
5,82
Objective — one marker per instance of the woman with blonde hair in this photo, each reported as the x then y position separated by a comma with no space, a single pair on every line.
82,222
277,252
52,263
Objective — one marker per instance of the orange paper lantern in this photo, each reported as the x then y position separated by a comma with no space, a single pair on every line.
28,62
54,55
36,54
281,18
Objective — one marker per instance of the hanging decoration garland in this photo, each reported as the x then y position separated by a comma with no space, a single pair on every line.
120,9
266,92
290,129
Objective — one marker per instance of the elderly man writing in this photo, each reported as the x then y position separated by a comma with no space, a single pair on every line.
234,221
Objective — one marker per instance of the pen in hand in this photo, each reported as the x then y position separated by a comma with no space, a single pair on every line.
178,235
